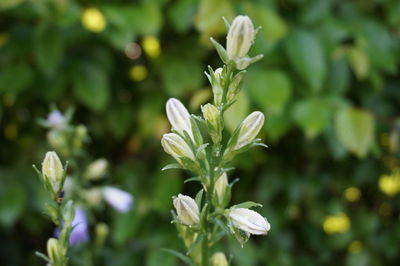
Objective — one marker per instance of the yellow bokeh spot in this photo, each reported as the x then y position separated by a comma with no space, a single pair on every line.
93,20
355,247
138,73
151,46
336,223
9,99
3,38
390,184
352,194
11,131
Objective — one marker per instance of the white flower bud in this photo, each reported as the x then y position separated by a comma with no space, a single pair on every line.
217,86
219,259
96,169
179,117
187,210
52,170
221,189
249,221
175,146
53,250
249,129
211,114
240,37
213,117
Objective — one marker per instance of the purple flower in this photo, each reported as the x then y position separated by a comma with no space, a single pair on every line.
79,232
120,200
56,119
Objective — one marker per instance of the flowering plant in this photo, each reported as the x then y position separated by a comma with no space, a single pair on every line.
71,218
203,220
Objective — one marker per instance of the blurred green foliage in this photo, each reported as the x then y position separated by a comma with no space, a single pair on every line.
329,86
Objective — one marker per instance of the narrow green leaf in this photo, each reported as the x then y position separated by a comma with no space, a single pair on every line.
181,256
171,166
247,204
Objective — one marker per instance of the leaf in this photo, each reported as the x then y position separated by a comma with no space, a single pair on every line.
181,76
198,240
199,197
181,256
181,14
171,166
270,89
276,126
191,179
312,115
12,204
359,62
208,19
355,129
48,49
168,184
15,78
307,58
8,4
90,86
247,204
273,27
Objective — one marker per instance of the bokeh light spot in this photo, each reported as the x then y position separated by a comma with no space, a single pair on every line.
355,247
3,38
138,73
11,131
151,46
352,194
339,223
93,20
133,50
390,184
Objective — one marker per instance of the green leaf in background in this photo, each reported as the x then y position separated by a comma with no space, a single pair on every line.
120,32
91,86
48,48
15,78
181,76
181,14
307,57
124,225
239,110
168,185
380,45
119,119
355,129
276,125
149,18
6,4
11,209
312,115
359,62
209,17
273,27
339,79
270,89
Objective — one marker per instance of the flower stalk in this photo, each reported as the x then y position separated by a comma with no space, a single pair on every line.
203,220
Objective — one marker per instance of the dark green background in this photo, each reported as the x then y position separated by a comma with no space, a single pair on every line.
328,85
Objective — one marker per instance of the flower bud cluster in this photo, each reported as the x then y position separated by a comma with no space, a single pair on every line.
199,219
62,136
